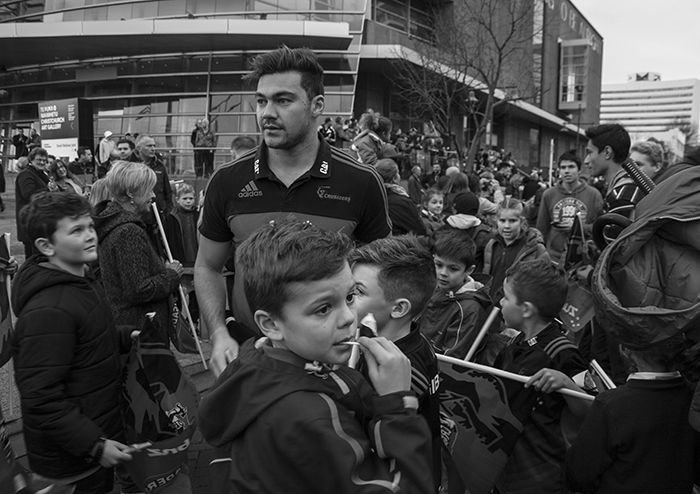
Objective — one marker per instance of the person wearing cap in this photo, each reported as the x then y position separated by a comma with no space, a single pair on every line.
105,148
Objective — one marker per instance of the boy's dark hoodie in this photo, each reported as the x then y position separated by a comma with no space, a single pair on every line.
67,367
181,231
296,427
451,320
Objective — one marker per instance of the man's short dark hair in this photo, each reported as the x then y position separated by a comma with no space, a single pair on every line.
82,150
46,209
37,151
124,140
569,156
541,283
285,59
455,245
284,252
406,268
613,135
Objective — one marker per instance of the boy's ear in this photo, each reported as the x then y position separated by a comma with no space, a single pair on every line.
470,270
529,310
268,326
44,246
402,307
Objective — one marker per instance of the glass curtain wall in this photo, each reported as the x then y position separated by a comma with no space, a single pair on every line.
164,95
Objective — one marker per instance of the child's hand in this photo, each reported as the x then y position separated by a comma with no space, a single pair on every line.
9,266
389,369
548,380
175,266
113,453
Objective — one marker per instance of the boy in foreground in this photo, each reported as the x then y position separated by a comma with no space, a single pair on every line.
395,278
292,416
534,293
66,351
636,438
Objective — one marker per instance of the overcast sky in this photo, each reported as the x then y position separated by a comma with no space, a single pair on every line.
646,36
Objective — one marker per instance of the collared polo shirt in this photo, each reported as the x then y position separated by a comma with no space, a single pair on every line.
336,194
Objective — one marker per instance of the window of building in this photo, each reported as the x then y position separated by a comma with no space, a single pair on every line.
573,70
412,17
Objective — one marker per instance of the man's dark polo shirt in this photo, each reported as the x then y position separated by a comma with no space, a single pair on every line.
336,194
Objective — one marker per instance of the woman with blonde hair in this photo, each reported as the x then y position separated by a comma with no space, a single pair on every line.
135,277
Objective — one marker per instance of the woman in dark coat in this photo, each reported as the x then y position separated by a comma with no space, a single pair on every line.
135,277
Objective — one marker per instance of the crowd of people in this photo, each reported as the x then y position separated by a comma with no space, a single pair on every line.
310,246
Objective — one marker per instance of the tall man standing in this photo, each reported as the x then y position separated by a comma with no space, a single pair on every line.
146,150
292,173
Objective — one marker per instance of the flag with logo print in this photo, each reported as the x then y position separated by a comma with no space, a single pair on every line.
478,427
161,408
578,310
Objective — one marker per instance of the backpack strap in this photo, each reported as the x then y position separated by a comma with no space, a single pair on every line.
488,256
557,345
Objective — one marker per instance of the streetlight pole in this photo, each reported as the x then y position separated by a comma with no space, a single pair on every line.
578,126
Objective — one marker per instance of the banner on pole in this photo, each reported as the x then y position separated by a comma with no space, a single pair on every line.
478,427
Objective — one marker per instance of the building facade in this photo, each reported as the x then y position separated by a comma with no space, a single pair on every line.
649,107
155,67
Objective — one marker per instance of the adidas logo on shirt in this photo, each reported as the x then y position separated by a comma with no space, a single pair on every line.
250,190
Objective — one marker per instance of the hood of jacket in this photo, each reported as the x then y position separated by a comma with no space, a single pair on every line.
109,215
472,289
531,237
396,189
463,221
577,188
256,380
35,275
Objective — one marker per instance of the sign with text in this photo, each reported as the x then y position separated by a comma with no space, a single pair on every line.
64,125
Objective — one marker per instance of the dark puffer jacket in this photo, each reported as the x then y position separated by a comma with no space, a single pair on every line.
135,278
67,367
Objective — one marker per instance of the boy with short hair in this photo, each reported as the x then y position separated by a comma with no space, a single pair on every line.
395,278
460,305
291,414
636,437
534,293
66,350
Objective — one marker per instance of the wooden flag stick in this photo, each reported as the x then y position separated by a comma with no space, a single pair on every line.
603,375
508,375
482,332
183,297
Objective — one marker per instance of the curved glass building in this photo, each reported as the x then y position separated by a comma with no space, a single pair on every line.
156,66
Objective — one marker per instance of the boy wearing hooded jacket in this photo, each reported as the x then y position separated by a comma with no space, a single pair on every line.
561,203
460,304
289,413
66,351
